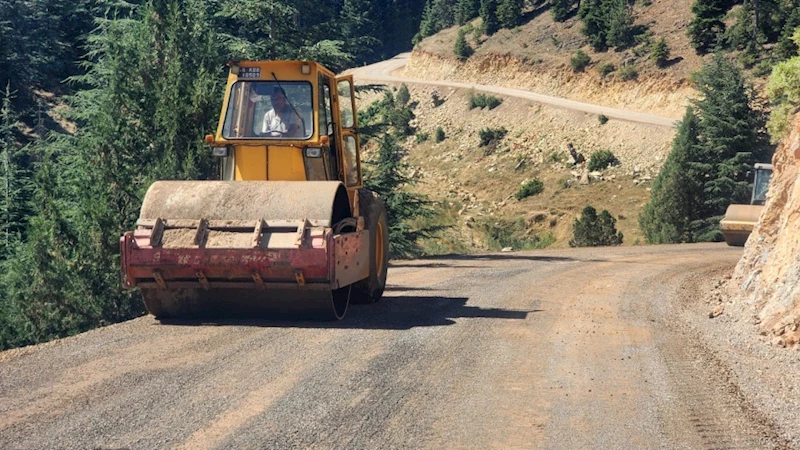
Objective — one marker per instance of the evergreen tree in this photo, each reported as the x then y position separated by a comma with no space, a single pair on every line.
361,30
783,90
561,9
733,137
461,48
593,230
619,22
488,13
509,13
707,25
595,25
387,176
467,10
786,47
660,52
14,179
676,199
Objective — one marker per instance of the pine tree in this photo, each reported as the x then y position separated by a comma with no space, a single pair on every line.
593,230
619,23
561,9
488,13
14,179
707,24
461,48
595,24
733,137
386,176
467,10
361,30
676,199
509,13
660,52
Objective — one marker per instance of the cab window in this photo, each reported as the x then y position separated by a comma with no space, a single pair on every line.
269,110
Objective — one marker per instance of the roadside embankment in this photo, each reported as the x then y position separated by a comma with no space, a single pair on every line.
766,282
653,94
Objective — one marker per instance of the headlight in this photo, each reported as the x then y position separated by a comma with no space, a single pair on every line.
220,152
313,152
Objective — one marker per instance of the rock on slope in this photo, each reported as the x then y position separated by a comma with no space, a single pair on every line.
766,281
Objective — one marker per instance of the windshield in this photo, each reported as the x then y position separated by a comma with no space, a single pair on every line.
269,110
761,186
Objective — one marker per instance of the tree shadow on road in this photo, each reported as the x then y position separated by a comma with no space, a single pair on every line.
391,313
440,260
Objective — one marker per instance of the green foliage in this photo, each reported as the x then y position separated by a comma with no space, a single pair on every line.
15,186
605,69
438,14
509,13
461,48
783,90
502,234
602,119
491,135
386,176
561,9
660,52
601,159
579,61
676,208
483,101
422,136
467,10
593,230
595,25
707,25
403,96
438,135
488,12
619,20
711,155
628,73
532,187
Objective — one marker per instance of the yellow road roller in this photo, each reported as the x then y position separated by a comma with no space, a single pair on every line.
740,220
288,230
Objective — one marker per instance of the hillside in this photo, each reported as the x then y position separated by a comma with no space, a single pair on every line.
536,56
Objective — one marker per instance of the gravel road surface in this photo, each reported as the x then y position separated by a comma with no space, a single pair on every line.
387,72
555,349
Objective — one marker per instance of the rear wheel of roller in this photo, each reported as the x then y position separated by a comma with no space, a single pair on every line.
373,210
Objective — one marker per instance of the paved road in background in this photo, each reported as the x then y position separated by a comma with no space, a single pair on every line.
382,72
570,349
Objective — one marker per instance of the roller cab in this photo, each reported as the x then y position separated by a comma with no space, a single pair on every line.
288,229
740,220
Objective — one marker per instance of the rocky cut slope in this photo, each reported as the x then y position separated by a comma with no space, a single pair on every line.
766,282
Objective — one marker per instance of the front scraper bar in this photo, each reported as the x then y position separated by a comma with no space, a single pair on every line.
267,254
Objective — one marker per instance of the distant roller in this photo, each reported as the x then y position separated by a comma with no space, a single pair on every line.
739,220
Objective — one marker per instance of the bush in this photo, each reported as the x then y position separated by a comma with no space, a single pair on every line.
593,230
439,135
602,159
660,53
532,187
422,136
580,61
461,48
605,69
602,119
491,135
403,96
628,73
484,101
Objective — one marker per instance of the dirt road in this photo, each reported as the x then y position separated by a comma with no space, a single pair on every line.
570,349
386,72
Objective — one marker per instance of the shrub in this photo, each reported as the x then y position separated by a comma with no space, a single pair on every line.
660,52
602,159
439,134
628,73
461,48
532,187
491,135
403,96
493,102
484,101
580,61
605,69
422,136
602,119
593,230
